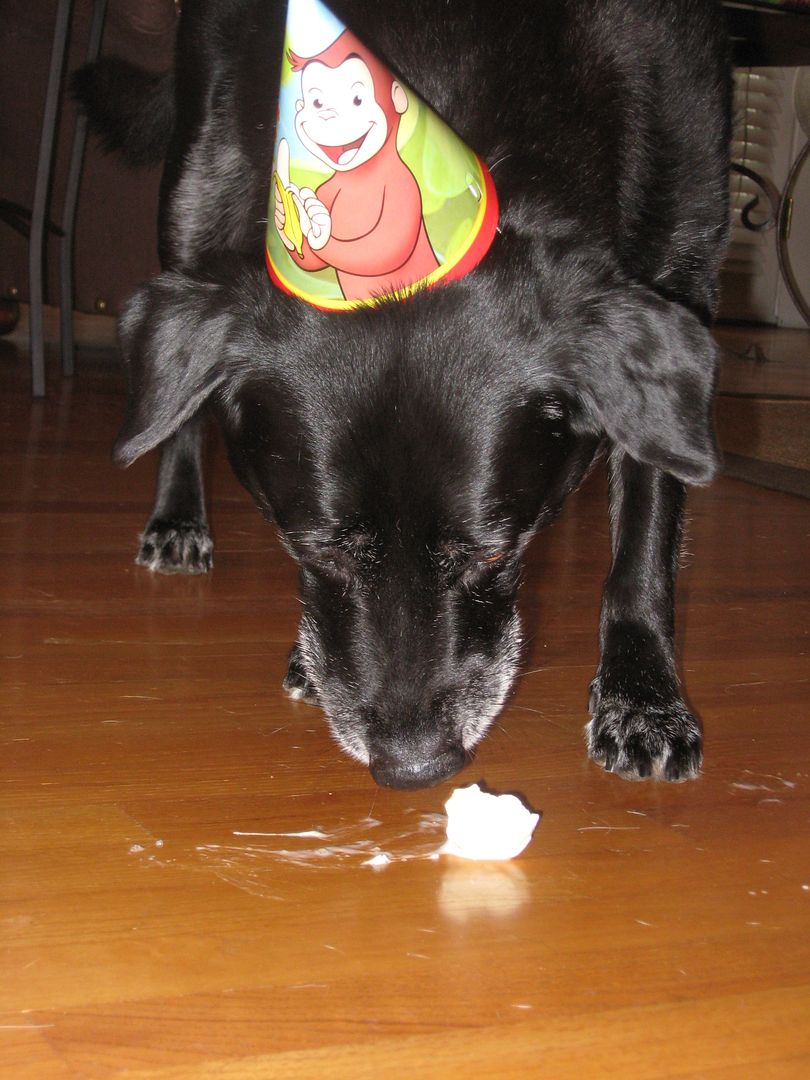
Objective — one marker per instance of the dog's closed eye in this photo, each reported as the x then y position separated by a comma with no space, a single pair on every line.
339,558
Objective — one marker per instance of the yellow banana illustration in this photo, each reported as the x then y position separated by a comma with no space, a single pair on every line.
292,225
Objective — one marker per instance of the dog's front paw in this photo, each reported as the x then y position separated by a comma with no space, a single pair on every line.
638,741
296,683
176,547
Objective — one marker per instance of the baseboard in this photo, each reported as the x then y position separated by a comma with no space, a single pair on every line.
766,441
766,474
772,430
89,331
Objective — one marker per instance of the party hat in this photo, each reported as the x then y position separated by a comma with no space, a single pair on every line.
372,193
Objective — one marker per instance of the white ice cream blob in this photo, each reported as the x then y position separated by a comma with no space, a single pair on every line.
485,826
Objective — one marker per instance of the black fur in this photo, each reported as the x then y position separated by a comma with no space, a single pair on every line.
407,453
130,111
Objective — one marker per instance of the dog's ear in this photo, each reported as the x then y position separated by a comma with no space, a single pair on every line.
174,334
644,369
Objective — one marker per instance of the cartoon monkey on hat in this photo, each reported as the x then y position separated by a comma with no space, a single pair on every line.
366,220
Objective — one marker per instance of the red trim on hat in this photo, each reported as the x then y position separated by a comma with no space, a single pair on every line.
469,260
486,233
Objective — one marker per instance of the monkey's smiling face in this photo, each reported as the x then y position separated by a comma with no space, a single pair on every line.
339,119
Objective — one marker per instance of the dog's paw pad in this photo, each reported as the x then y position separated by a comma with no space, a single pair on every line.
640,742
176,547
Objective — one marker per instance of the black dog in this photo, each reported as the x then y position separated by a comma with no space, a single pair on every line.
408,452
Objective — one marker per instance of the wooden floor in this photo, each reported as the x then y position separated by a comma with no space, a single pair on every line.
161,918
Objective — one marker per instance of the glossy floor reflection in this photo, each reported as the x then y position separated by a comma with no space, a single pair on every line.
186,889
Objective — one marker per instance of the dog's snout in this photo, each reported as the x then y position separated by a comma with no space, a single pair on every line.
412,768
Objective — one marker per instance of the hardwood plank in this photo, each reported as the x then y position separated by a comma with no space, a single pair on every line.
669,1042
25,1052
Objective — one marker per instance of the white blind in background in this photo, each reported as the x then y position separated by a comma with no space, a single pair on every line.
759,98
760,141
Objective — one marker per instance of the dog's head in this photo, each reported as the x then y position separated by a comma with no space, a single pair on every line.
407,453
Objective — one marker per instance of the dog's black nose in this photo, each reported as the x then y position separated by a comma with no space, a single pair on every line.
409,771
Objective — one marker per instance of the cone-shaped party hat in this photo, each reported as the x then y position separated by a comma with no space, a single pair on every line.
372,193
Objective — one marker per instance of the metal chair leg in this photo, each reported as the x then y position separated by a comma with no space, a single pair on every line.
40,207
71,203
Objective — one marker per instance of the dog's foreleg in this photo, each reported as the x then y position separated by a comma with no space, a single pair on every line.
176,540
639,724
